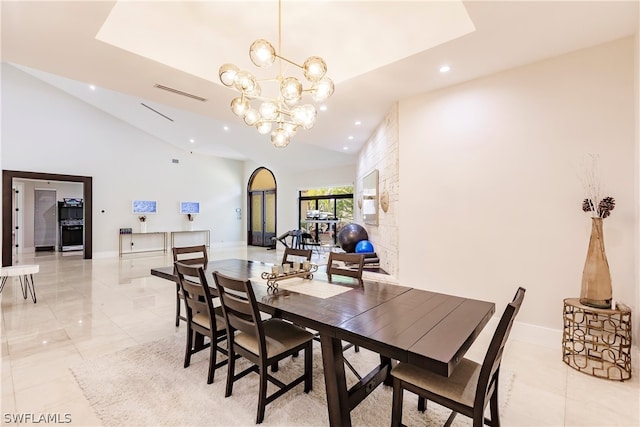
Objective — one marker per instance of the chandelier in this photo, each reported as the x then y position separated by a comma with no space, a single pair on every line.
281,112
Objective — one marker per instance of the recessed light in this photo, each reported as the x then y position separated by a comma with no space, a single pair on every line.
445,68
92,87
358,122
226,128
345,148
323,108
350,137
192,140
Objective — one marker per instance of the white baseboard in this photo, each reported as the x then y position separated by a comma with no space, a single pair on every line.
538,335
532,334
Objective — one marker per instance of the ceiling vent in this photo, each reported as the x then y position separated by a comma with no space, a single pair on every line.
179,92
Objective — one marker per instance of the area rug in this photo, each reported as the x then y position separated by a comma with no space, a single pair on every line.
146,385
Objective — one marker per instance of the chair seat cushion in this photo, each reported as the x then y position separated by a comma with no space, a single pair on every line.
202,319
460,386
280,337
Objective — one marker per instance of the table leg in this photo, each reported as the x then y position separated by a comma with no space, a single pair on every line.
27,285
4,281
335,381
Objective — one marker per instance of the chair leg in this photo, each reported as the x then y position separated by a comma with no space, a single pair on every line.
396,409
212,360
493,407
308,367
187,352
231,367
262,394
356,348
177,305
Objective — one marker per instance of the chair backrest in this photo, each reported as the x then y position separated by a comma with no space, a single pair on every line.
354,264
240,308
488,378
292,255
191,255
195,289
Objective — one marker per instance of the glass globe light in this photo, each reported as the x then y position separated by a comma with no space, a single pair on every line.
227,74
309,116
280,138
269,110
251,117
263,127
291,89
291,102
314,68
299,114
256,91
290,128
322,90
245,81
262,53
239,106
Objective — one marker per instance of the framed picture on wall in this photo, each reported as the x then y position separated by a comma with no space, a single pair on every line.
145,206
189,207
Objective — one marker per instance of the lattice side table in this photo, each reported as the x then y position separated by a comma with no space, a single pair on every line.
597,341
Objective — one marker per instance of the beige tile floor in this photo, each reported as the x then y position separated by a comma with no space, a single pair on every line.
88,308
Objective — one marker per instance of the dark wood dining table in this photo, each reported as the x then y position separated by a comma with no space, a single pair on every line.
400,323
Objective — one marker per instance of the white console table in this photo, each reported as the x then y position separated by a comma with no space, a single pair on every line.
154,241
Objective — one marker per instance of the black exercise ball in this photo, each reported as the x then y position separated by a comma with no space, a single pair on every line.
350,235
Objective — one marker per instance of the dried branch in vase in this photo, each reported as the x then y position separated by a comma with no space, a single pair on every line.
591,183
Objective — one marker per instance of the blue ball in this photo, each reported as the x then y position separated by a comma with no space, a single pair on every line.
364,246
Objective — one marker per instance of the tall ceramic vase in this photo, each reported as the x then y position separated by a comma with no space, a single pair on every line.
596,278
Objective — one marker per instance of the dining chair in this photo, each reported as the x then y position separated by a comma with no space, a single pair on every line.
471,386
190,255
292,255
261,342
345,264
202,317
349,265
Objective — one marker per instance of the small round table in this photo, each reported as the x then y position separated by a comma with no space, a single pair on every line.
597,341
25,273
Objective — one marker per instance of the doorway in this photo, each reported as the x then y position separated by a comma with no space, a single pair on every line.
44,219
7,208
261,192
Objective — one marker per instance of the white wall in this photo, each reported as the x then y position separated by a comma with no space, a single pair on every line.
490,192
46,130
637,167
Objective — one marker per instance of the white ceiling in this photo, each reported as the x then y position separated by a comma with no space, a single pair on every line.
377,52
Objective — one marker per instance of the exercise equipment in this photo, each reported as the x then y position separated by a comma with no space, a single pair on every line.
364,246
350,235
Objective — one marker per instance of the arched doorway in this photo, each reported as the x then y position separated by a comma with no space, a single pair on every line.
261,205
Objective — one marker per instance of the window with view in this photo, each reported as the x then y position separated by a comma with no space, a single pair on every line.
324,211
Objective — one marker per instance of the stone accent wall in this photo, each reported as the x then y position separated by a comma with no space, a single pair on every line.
382,152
